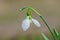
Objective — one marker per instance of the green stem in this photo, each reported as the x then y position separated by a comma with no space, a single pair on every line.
28,13
48,26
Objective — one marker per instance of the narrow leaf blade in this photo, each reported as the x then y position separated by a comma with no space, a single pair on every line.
43,35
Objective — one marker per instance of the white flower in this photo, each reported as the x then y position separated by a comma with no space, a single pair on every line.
26,24
36,22
27,21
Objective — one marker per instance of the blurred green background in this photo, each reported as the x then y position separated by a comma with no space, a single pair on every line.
11,18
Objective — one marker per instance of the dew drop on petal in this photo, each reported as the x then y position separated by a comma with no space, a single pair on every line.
36,22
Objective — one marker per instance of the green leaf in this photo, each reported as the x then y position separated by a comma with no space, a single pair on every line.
43,35
58,37
55,32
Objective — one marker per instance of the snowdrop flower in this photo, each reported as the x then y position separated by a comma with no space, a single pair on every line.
26,23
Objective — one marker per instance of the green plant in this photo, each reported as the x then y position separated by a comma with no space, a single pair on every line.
54,33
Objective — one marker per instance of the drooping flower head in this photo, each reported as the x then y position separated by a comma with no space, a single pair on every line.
28,20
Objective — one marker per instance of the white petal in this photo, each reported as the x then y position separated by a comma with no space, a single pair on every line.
26,24
36,22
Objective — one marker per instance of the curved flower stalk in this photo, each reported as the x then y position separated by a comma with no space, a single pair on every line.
34,21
